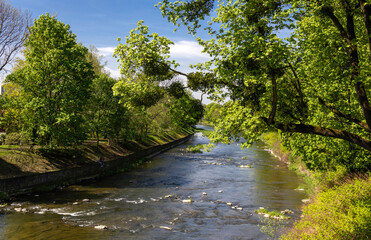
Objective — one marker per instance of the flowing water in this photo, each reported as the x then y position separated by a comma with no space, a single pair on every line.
147,203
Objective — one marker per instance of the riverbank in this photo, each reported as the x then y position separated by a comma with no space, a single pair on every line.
153,201
24,169
339,204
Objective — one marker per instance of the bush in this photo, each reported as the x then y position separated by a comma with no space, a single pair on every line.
339,213
12,139
2,138
195,149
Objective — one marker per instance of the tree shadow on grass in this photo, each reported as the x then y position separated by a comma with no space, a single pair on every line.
8,170
65,158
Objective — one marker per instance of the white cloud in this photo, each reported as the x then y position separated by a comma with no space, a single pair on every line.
106,51
184,52
115,73
187,50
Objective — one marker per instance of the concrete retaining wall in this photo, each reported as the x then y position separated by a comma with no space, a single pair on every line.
28,183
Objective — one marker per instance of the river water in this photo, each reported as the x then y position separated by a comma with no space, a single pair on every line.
147,203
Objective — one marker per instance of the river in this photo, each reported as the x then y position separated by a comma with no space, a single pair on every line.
147,203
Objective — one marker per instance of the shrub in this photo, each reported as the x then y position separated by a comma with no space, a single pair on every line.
12,138
195,149
339,213
2,138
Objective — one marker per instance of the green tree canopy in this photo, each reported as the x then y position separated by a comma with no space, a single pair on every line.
55,82
185,111
145,66
105,116
315,82
212,112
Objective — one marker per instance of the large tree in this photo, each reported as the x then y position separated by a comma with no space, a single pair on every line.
105,116
149,76
13,32
55,82
316,81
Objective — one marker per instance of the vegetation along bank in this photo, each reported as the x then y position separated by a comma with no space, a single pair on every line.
310,87
60,109
340,202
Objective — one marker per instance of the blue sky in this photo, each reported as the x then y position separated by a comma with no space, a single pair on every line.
100,23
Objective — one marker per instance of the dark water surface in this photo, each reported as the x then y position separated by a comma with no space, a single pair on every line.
136,205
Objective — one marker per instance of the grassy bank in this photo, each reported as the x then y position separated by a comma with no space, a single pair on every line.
340,201
341,212
18,160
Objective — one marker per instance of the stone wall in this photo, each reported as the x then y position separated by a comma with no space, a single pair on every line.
32,182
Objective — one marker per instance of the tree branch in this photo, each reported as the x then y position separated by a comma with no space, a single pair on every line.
343,115
274,99
366,10
330,13
173,70
363,101
298,87
321,131
354,59
177,72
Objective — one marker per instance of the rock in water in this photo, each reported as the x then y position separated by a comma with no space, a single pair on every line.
167,228
101,227
187,200
244,166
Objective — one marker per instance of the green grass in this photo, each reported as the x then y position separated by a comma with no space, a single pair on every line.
20,160
342,212
9,147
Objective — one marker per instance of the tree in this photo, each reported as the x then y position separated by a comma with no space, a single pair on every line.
145,66
55,82
105,115
185,111
212,113
95,59
315,82
13,32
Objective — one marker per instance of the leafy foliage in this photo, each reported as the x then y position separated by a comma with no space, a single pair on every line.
176,90
55,82
104,114
312,85
138,92
145,53
195,149
12,139
212,113
185,111
145,66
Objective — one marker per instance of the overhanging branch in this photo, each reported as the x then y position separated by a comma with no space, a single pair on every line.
321,131
345,116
